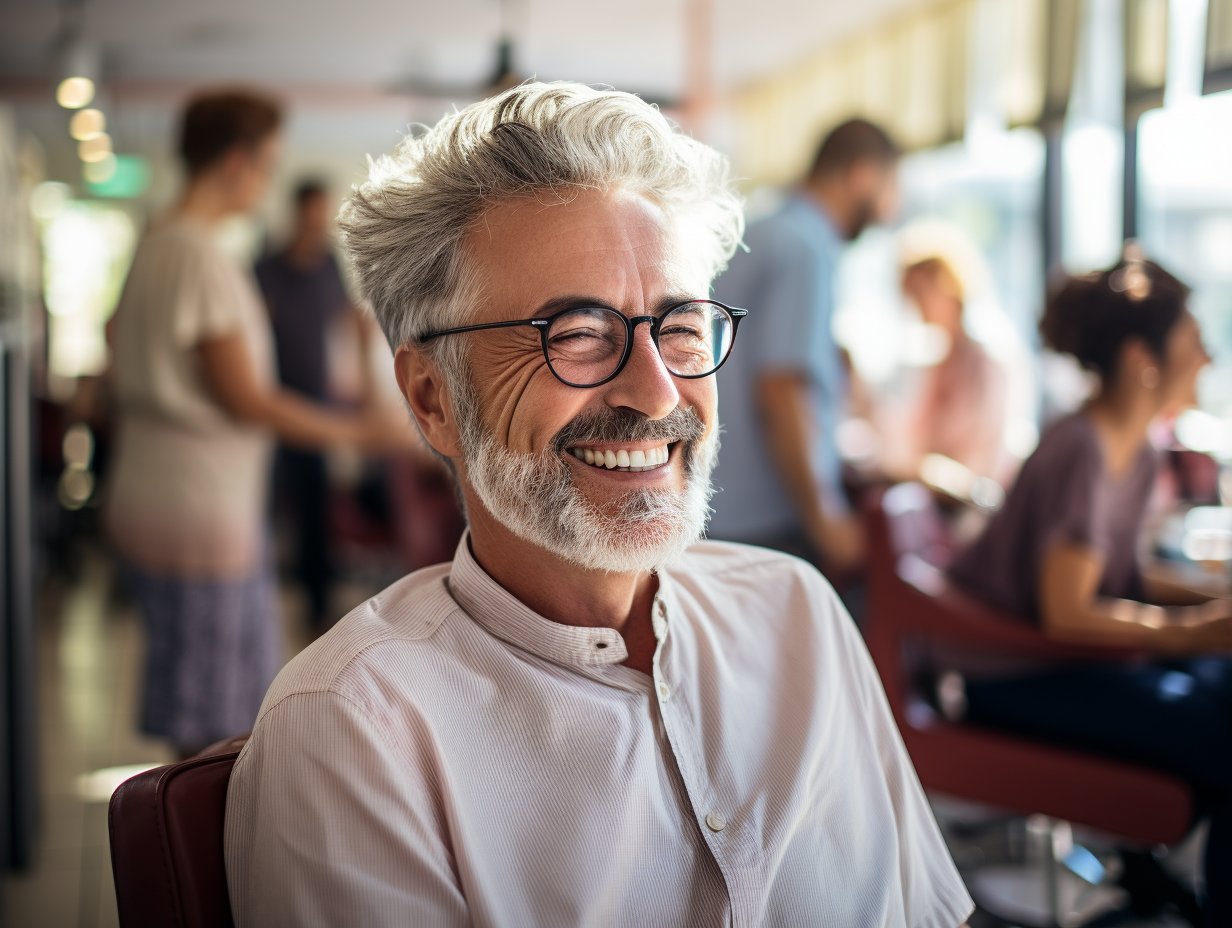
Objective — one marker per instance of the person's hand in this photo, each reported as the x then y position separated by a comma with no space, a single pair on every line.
1210,611
1215,632
841,543
1215,635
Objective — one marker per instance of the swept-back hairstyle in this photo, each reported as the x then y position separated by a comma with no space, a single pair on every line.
405,226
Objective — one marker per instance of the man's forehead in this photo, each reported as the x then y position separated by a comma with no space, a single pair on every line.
613,245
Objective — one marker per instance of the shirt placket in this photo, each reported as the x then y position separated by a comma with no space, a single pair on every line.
709,810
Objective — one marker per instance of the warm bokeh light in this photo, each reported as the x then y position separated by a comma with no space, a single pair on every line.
95,149
75,92
86,124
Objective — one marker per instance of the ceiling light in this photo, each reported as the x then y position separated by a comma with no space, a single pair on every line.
77,72
75,92
95,149
86,124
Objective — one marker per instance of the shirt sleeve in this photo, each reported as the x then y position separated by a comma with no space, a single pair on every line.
210,296
328,825
932,891
1068,504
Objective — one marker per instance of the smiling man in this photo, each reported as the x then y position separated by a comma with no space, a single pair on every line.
589,717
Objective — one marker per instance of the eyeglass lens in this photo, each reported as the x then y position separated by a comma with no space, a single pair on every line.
585,345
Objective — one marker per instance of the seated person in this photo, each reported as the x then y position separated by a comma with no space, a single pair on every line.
1063,552
587,717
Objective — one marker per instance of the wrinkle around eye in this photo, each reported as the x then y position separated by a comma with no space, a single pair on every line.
508,386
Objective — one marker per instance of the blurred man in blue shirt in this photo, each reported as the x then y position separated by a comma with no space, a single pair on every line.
782,396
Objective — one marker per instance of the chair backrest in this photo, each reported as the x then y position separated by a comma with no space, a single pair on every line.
910,601
910,546
166,830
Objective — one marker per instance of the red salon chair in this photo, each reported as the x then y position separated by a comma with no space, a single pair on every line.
166,830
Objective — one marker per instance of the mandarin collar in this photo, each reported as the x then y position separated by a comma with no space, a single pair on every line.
502,614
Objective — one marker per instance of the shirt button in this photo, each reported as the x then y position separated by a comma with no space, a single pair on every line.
665,691
662,609
715,821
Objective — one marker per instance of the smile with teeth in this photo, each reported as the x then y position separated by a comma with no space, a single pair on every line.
623,459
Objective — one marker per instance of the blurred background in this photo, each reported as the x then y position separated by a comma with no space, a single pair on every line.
1042,133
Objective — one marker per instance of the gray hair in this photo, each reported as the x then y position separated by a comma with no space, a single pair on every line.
404,227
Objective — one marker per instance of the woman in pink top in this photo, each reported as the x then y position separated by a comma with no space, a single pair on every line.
960,410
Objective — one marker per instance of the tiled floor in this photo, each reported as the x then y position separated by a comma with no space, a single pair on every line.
89,655
89,660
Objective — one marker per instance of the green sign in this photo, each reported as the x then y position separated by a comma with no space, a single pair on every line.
130,178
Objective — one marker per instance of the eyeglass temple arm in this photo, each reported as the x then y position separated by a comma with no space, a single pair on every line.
484,325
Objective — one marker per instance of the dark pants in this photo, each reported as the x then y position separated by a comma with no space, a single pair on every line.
1174,716
303,486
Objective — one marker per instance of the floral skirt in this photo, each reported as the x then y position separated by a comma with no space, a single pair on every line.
213,649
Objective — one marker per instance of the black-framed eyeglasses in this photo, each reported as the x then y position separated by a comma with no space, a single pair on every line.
586,346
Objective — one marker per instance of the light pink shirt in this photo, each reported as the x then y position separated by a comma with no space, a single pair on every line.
445,756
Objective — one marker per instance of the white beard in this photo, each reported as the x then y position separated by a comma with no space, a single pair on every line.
535,498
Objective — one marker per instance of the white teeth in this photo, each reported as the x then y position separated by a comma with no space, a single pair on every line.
635,461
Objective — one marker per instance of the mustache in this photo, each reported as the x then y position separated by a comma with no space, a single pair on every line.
623,424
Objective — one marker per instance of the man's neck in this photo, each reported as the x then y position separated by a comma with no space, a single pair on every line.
306,252
563,592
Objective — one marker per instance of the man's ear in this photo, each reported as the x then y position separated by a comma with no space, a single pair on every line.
425,391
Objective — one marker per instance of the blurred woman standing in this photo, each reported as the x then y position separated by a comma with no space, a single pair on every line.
198,407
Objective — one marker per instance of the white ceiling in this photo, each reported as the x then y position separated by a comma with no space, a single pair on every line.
371,44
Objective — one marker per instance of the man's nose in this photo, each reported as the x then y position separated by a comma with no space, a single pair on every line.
645,384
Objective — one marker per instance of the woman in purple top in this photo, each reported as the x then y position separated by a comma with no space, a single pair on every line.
1063,553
